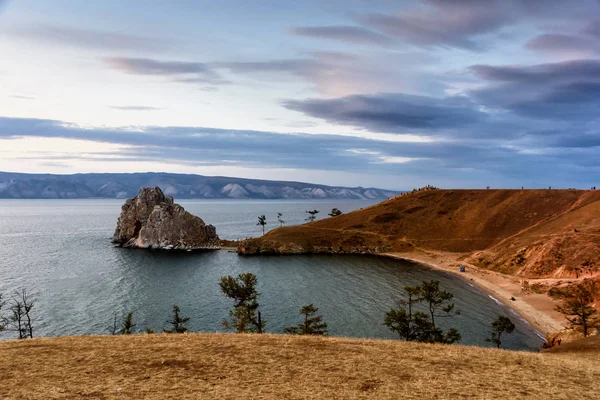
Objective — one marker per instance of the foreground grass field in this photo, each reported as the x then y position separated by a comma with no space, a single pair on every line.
228,366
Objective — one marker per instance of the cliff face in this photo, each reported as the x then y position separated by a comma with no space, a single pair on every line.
153,220
528,233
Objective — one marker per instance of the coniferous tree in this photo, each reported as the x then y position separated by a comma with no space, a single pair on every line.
262,221
420,326
439,304
177,322
280,219
245,316
128,324
335,212
312,325
402,320
499,326
312,215
577,309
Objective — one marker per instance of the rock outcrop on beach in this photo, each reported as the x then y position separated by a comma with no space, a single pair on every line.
153,220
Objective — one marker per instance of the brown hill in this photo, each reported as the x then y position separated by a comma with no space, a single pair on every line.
230,366
526,233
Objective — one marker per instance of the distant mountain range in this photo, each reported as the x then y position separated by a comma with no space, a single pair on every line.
180,186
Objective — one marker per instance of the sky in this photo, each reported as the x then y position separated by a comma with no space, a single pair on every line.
389,94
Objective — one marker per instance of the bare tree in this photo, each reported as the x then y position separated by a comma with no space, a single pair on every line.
113,330
21,319
3,319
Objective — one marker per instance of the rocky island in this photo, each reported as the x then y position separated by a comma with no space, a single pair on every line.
152,220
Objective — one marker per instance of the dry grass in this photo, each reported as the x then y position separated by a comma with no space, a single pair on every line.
282,367
587,347
527,233
445,220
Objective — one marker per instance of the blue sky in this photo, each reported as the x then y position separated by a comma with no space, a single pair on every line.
394,94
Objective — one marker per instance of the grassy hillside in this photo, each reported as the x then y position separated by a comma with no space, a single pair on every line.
530,233
279,366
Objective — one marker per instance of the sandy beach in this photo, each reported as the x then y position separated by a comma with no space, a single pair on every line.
537,309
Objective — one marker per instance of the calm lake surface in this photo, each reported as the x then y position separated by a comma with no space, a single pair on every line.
60,251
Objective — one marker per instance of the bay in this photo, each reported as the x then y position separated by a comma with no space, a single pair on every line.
60,251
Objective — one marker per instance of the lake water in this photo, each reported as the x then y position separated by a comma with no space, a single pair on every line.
60,251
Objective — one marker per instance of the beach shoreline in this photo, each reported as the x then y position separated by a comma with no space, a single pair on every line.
536,309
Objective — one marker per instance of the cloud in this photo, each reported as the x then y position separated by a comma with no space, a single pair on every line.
17,96
342,33
340,74
135,108
330,73
89,39
542,113
561,72
442,23
584,41
564,44
147,66
206,146
178,71
553,91
391,112
475,161
513,106
463,24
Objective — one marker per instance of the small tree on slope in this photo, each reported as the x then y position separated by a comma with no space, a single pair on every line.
499,326
262,221
312,215
312,325
577,309
335,212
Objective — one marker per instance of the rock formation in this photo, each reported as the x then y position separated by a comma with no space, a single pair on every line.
153,220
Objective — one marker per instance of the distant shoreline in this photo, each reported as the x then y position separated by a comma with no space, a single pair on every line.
180,186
